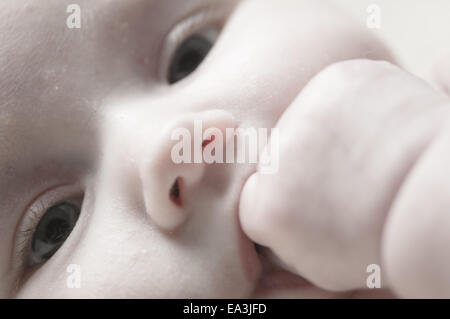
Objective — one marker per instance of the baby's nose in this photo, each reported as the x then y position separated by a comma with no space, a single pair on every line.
172,171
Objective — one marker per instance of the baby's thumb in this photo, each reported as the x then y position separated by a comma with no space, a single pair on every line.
255,213
250,210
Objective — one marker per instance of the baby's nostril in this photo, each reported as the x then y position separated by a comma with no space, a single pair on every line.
206,142
175,191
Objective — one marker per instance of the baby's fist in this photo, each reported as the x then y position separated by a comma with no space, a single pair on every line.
346,145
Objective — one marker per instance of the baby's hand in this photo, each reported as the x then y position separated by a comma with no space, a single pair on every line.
362,170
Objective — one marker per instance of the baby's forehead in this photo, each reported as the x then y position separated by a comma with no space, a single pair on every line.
50,73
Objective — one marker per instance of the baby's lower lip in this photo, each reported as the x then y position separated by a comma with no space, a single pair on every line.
277,282
275,277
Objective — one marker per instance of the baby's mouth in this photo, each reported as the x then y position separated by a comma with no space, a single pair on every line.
274,275
278,280
258,249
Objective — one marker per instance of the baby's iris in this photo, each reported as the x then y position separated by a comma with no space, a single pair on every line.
52,230
188,57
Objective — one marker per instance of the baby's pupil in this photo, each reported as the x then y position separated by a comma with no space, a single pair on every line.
175,190
57,230
188,57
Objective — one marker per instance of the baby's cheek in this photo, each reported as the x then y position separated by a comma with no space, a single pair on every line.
264,64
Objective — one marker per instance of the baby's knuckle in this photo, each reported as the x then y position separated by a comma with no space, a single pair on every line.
343,85
351,72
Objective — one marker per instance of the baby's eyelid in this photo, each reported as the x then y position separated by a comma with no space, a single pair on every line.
39,205
207,21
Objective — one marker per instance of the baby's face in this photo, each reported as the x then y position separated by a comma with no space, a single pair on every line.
86,176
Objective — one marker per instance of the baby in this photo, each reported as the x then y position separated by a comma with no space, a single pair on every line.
93,205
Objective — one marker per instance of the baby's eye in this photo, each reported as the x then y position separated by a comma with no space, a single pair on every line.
188,56
52,230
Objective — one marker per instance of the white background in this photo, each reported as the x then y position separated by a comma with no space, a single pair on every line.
417,31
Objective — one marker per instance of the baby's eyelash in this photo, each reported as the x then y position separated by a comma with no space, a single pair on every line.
25,233
32,217
209,18
193,24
